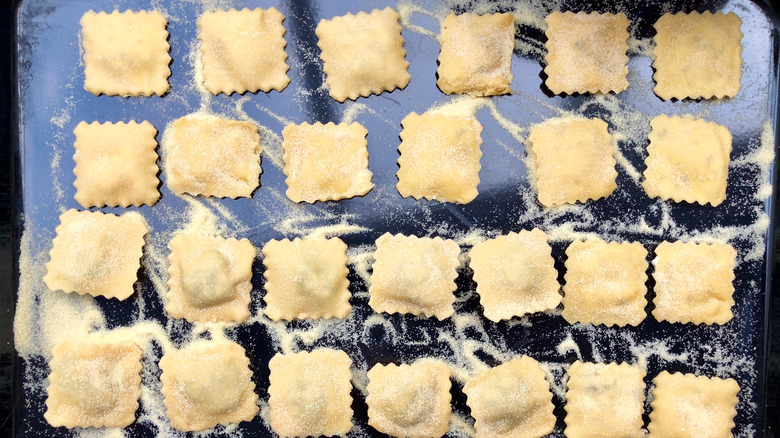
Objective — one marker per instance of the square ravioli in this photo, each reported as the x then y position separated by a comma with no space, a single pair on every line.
572,160
309,393
414,275
605,283
326,162
96,253
685,405
515,275
116,164
605,400
363,54
209,156
207,383
512,400
210,278
439,157
410,400
586,53
93,384
476,54
243,51
687,160
697,55
306,278
693,282
125,53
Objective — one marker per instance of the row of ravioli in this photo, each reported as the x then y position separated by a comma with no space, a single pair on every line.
570,160
209,383
210,276
695,55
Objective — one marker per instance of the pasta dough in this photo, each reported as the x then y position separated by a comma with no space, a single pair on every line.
605,400
512,400
309,393
515,275
326,162
125,53
586,53
363,54
687,160
243,50
116,164
476,54
96,253
689,406
697,55
207,383
306,279
693,282
210,278
439,157
410,401
572,160
93,383
210,156
414,275
605,283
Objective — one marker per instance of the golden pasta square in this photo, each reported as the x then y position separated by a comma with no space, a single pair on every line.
210,156
410,400
608,398
125,53
512,400
243,51
116,164
439,157
605,283
97,254
207,383
414,275
687,160
572,160
309,393
363,54
693,282
209,278
93,384
326,162
586,52
692,406
515,275
306,278
697,55
476,54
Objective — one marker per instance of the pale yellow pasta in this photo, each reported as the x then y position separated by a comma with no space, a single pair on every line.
515,275
326,162
243,50
207,383
93,384
512,400
439,157
96,253
306,278
210,278
693,282
414,275
309,393
125,53
410,401
476,54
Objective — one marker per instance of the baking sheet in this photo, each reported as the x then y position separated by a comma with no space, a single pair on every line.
53,101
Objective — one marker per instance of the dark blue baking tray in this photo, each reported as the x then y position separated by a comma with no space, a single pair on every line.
51,101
